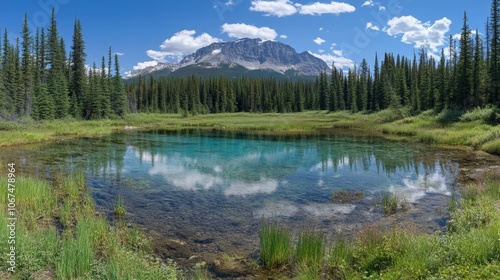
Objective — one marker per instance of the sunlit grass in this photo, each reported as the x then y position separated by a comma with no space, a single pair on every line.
476,128
310,249
275,245
83,245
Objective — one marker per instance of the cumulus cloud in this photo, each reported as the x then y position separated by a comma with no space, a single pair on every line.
158,56
323,8
141,66
418,33
371,26
283,36
368,3
336,58
279,8
319,41
182,43
241,30
119,53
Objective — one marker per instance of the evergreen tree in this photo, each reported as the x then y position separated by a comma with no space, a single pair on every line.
26,69
57,83
118,96
104,92
363,85
479,74
494,53
464,92
78,77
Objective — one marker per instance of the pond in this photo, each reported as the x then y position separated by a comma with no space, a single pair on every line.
202,193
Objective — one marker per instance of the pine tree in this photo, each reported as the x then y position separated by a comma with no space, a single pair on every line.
26,69
363,85
119,97
479,74
57,83
78,77
494,50
464,93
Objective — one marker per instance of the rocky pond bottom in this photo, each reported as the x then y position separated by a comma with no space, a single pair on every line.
202,194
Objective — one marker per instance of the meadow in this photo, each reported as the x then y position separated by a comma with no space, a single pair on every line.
477,129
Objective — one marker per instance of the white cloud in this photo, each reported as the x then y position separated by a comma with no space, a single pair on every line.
182,43
321,29
368,3
229,3
140,66
459,35
144,65
323,8
241,30
337,58
371,26
279,8
319,41
158,55
119,53
416,32
283,36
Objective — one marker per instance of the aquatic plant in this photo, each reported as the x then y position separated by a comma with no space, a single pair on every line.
275,244
390,203
119,210
346,196
310,249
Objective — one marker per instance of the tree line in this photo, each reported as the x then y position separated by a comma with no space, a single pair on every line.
40,80
466,78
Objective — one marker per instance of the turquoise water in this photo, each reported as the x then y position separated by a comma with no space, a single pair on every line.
210,190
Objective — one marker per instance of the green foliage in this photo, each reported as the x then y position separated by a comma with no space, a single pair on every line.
275,245
119,210
310,249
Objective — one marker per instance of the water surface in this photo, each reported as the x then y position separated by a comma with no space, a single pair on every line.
199,193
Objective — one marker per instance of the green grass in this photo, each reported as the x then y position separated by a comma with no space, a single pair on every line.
470,248
60,235
119,210
477,128
310,249
275,245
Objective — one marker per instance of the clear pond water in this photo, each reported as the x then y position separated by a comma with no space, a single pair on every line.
200,193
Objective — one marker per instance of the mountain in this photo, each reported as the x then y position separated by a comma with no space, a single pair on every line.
244,57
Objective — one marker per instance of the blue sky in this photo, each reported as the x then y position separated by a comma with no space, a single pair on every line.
147,32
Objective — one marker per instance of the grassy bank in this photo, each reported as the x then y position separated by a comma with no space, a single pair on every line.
59,235
478,129
470,248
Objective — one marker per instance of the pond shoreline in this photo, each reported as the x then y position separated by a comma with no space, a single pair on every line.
245,267
424,128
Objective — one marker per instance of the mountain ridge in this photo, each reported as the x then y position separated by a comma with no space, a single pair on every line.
245,55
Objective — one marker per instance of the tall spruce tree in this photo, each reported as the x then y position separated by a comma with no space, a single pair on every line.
464,91
494,51
56,81
78,77
119,97
26,69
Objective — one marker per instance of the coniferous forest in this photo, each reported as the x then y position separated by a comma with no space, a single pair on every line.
41,79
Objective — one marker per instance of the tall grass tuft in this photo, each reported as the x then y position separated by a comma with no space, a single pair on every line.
310,250
119,210
390,203
275,244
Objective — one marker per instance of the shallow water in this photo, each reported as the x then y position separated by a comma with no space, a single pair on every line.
200,193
